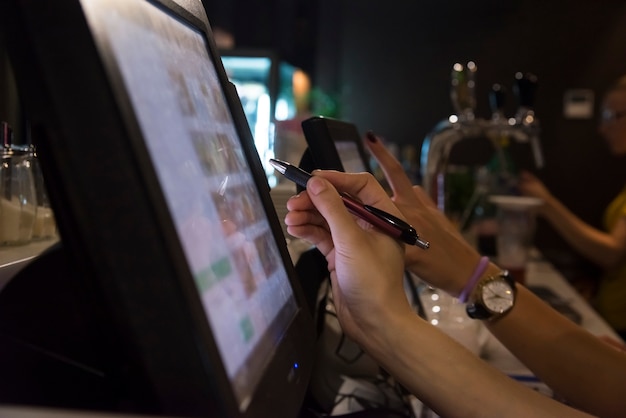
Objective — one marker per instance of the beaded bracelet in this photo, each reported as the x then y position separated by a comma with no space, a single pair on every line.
478,272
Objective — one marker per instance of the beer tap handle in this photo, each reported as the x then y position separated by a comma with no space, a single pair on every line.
497,98
462,92
525,89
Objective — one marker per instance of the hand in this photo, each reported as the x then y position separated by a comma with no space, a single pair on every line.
530,185
366,266
450,260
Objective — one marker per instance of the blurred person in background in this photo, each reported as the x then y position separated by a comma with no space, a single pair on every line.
607,247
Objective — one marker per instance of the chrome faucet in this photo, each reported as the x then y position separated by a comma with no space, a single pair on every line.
465,140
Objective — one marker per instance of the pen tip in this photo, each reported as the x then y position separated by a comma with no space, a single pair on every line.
278,165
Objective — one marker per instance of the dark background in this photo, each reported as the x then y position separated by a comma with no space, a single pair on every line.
389,64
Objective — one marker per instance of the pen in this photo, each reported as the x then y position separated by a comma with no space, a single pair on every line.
386,222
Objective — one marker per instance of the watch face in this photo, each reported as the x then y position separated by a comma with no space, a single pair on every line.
498,296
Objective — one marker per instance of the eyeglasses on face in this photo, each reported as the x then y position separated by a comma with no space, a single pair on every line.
609,115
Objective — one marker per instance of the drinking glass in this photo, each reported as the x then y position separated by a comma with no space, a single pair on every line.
516,229
18,204
44,226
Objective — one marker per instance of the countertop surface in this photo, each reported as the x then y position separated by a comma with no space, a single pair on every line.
14,258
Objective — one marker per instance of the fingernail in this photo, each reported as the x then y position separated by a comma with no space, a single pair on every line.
315,186
371,136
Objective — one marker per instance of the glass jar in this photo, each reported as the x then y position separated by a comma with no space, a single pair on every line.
45,226
18,203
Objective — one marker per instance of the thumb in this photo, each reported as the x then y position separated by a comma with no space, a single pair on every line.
329,204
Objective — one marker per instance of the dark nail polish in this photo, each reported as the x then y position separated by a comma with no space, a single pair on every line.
371,136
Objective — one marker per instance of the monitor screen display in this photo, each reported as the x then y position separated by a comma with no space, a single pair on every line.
209,190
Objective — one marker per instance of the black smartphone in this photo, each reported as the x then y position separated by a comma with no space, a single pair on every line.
335,145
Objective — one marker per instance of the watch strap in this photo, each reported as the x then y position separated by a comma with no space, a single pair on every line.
478,311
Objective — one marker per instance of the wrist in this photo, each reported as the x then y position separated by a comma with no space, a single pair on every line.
471,285
382,342
373,320
550,205
493,297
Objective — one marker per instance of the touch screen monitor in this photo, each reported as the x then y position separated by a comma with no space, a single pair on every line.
163,203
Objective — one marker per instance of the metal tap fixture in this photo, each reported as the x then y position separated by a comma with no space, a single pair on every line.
467,141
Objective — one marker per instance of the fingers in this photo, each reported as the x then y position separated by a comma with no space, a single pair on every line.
363,186
319,215
328,202
423,198
399,182
305,222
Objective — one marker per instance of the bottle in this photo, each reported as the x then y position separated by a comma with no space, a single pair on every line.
17,193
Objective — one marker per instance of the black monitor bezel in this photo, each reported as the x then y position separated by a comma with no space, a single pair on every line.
97,177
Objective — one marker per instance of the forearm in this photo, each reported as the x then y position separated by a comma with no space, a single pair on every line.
598,246
450,379
577,365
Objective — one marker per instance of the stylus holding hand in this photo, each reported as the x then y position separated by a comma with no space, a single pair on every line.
386,222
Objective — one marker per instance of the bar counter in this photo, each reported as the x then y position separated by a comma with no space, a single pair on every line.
542,273
539,273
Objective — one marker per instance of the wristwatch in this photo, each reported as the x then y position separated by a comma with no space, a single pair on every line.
493,297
